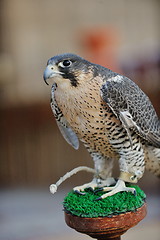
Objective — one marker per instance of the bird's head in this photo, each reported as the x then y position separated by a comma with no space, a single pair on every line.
68,69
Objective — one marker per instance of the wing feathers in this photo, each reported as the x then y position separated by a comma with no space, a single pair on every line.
69,135
132,107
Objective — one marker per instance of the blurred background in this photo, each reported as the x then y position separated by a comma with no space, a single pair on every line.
123,35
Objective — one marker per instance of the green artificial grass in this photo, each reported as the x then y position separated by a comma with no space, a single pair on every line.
86,206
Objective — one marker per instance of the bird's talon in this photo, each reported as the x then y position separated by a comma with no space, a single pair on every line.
91,189
119,187
97,199
80,193
135,193
98,190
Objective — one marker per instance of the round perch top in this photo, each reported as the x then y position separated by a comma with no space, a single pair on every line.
110,228
86,206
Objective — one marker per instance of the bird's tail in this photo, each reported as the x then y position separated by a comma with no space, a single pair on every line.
153,160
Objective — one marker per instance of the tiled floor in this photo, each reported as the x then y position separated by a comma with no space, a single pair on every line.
27,214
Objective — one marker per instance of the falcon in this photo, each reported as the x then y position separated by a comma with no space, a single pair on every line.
110,115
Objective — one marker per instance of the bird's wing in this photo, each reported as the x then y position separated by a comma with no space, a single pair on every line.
66,131
132,107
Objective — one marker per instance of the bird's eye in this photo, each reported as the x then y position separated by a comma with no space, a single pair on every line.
65,63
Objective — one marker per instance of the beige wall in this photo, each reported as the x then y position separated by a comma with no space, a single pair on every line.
34,30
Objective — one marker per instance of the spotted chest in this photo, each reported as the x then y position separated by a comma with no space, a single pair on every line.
88,115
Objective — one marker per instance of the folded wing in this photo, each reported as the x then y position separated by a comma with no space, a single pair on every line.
132,107
66,131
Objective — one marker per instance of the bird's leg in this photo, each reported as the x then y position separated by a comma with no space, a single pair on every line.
95,183
110,181
132,166
119,187
92,185
103,167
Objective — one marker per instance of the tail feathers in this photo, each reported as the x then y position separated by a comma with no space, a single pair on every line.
153,160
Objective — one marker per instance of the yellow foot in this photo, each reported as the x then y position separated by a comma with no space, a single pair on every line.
119,187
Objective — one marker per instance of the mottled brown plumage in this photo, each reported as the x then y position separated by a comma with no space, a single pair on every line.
110,114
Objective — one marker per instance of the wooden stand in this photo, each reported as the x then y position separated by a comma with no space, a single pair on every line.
106,227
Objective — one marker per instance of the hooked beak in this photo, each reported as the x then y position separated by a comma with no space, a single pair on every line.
48,73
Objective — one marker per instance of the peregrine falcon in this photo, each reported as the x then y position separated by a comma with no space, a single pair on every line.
110,114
